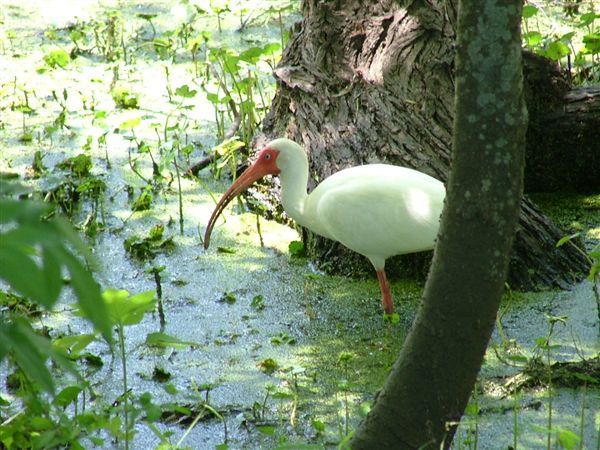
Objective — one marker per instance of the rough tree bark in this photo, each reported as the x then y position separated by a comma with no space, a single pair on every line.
428,389
563,151
363,82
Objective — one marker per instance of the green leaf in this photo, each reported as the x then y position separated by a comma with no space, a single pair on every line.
130,124
517,358
258,302
19,211
533,38
565,239
74,344
393,318
40,279
170,389
88,295
156,232
318,425
124,97
592,43
127,310
231,64
51,270
251,55
159,339
215,99
67,396
567,439
79,165
269,430
39,423
228,146
587,18
557,50
296,446
268,366
228,297
529,11
566,38
271,49
23,274
57,58
296,249
17,338
143,202
185,91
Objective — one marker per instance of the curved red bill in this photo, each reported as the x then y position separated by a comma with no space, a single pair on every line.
264,165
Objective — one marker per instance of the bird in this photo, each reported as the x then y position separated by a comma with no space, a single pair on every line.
377,210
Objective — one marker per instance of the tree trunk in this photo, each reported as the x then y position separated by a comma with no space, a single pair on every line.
364,82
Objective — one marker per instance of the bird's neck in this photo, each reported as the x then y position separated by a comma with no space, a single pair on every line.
293,194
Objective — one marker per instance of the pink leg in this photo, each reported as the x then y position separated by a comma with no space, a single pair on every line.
386,294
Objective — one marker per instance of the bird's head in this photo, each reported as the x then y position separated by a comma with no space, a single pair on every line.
271,160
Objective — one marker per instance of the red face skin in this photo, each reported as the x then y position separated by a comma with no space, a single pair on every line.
265,164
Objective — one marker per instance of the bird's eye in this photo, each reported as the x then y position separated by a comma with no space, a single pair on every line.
267,156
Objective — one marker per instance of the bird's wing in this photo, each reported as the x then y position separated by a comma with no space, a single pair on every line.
379,210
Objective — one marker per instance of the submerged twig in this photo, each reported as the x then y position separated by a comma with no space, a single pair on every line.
262,242
180,196
157,280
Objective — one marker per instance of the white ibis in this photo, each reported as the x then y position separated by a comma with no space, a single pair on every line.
377,210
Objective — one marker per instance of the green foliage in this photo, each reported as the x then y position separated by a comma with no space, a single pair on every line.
236,91
258,302
162,340
17,304
108,35
143,202
393,318
124,97
125,309
147,247
35,251
70,182
45,423
228,297
30,352
79,165
57,58
185,92
282,338
130,124
296,249
227,154
581,44
593,256
268,366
